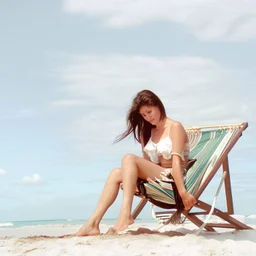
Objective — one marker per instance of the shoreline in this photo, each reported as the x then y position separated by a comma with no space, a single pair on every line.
247,219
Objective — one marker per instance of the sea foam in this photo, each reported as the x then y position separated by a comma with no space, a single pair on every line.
6,224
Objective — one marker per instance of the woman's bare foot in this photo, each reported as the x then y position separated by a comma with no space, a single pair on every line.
188,200
88,230
124,220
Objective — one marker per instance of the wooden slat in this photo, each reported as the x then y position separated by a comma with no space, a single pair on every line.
199,213
165,212
228,191
221,225
225,216
139,207
216,126
196,221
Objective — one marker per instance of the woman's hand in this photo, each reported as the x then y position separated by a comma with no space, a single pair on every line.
188,200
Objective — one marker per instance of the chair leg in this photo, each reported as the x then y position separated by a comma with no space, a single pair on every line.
225,216
228,191
139,207
213,204
197,221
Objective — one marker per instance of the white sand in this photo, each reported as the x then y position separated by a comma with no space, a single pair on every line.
141,239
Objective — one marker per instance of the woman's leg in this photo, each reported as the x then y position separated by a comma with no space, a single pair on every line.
132,168
108,196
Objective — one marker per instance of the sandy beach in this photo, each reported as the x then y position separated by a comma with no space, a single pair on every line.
139,240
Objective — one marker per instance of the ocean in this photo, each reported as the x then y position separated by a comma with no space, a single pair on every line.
12,224
250,220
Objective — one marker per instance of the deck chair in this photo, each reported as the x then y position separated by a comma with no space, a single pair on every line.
210,146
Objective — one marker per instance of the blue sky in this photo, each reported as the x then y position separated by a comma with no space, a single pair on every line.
69,70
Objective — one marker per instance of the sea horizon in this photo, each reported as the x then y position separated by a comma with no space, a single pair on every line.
23,223
248,219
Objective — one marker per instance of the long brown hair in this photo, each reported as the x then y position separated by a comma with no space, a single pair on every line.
136,124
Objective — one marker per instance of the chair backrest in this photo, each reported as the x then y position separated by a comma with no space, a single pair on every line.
209,145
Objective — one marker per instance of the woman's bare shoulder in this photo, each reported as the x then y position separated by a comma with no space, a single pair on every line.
177,129
176,125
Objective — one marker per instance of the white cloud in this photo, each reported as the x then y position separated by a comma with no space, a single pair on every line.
33,179
195,91
207,19
2,172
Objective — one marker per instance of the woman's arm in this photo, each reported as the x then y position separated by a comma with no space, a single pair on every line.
178,136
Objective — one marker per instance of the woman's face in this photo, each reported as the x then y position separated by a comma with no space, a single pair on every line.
151,114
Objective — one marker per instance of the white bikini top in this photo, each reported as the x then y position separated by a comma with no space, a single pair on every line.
164,148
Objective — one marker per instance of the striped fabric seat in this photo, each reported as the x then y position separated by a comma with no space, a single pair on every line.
206,147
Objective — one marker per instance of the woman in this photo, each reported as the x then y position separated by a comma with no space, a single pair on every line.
165,151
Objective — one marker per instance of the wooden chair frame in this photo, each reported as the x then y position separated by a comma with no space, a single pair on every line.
230,222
